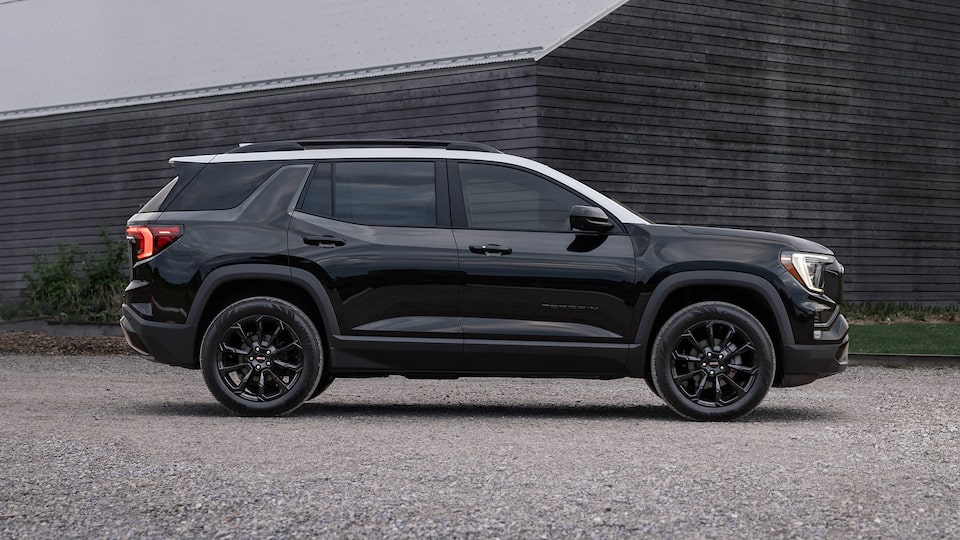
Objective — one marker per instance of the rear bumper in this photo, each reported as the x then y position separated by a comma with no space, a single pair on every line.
163,342
803,364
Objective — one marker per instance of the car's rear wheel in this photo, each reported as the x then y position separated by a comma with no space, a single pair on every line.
325,381
262,356
713,361
653,388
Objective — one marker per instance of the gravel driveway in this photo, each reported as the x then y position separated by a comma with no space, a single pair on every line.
113,446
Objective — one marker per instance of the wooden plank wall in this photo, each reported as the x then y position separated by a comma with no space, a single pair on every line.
836,120
64,178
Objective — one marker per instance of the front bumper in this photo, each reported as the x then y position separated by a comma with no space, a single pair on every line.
163,342
803,364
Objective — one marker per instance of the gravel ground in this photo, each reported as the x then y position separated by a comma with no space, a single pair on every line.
42,343
114,447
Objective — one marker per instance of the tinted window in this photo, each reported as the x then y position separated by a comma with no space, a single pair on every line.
318,200
154,203
498,197
220,186
396,193
279,190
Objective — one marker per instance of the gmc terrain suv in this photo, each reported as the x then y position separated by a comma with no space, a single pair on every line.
278,267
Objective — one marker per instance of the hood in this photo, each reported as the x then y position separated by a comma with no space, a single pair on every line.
798,244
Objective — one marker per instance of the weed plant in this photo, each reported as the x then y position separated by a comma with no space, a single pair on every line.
76,287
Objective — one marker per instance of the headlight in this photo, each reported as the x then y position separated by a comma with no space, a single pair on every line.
808,268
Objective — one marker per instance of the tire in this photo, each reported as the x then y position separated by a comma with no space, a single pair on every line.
325,381
262,356
713,361
653,388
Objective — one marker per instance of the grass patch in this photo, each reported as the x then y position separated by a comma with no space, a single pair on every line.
906,338
880,312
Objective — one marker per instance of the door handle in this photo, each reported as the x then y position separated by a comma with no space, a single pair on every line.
325,241
491,249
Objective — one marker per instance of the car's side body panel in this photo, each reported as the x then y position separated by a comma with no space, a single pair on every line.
551,287
386,285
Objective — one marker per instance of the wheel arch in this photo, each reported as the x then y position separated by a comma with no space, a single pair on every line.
227,285
748,291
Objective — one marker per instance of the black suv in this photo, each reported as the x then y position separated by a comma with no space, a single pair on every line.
277,267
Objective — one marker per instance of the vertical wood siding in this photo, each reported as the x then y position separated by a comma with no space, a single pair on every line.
64,178
834,120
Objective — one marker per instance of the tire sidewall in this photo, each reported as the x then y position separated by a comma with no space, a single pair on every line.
667,338
299,323
325,381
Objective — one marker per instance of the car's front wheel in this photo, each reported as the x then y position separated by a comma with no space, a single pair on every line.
261,356
713,361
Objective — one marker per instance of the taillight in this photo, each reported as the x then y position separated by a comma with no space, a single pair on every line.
151,239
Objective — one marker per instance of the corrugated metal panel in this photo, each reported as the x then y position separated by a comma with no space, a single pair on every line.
88,55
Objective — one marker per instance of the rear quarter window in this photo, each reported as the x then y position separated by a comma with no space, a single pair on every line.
220,186
154,203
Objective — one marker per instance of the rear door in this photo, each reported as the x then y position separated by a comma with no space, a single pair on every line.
377,235
537,296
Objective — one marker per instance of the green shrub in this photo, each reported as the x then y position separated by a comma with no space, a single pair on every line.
88,290
8,311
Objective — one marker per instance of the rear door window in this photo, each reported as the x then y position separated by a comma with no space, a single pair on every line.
391,193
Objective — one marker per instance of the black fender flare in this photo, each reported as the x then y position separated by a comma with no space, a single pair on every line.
639,361
294,276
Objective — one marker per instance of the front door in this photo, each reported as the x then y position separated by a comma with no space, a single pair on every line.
537,296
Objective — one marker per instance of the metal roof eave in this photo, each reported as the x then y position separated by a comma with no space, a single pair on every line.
544,51
532,53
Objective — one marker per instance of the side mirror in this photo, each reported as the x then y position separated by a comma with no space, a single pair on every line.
589,218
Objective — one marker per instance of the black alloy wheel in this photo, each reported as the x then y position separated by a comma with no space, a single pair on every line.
261,357
713,361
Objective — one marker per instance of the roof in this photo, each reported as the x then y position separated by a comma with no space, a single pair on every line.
102,53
